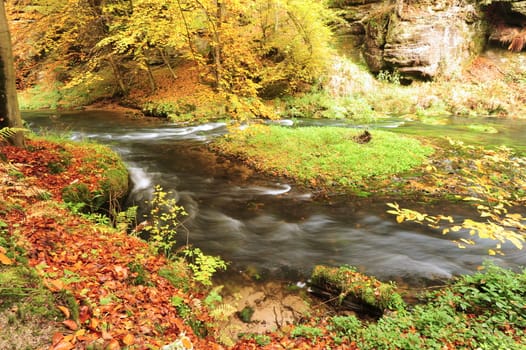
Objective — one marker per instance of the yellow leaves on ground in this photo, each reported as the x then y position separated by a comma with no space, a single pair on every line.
64,310
491,181
54,285
4,259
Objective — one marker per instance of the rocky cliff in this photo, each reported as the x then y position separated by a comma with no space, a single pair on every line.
426,39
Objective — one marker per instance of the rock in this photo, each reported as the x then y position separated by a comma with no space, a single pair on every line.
508,24
420,39
364,137
519,7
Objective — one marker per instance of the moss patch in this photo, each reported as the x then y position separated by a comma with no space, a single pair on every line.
324,155
85,173
347,286
21,291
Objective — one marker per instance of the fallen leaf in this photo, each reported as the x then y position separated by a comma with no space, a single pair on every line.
113,345
93,324
106,335
186,342
64,310
69,338
121,273
57,337
128,339
4,259
70,324
84,313
63,345
54,285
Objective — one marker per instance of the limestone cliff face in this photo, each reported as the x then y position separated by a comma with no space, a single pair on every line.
424,38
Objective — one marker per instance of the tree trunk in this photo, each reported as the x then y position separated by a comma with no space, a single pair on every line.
117,74
151,79
217,46
9,110
166,61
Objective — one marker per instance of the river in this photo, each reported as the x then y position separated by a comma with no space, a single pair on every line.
274,228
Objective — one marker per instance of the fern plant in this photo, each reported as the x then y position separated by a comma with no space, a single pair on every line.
8,132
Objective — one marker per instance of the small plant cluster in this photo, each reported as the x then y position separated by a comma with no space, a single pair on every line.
163,221
321,104
389,77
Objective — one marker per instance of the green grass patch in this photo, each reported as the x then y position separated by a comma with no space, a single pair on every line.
20,286
324,155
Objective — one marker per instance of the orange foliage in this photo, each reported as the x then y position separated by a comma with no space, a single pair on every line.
112,309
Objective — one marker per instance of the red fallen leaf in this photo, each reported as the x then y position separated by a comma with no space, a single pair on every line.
178,323
84,313
71,324
57,337
63,345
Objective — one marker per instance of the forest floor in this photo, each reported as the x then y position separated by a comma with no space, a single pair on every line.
76,283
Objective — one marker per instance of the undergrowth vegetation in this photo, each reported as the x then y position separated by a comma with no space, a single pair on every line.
481,311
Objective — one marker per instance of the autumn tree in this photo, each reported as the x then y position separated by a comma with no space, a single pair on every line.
9,111
150,29
255,43
241,46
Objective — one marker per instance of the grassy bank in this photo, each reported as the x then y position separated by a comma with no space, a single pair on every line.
327,156
88,176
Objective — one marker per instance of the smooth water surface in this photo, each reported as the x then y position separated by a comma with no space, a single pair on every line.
275,228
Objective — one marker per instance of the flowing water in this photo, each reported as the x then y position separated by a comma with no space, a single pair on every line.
273,228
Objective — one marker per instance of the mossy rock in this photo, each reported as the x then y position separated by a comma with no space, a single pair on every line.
113,184
353,290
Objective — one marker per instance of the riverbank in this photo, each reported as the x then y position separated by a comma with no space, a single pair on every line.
493,84
71,278
85,284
